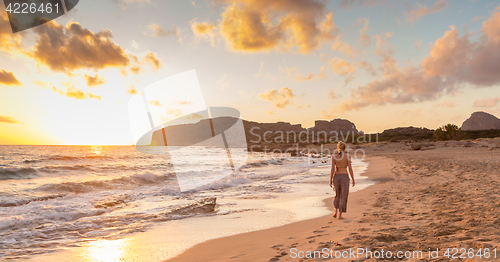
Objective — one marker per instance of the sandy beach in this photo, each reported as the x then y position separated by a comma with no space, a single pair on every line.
437,203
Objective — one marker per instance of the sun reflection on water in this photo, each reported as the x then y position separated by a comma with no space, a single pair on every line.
105,250
96,150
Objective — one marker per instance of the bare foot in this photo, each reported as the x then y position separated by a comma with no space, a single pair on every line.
334,215
340,218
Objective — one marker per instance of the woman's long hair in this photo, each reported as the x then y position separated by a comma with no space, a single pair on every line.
341,147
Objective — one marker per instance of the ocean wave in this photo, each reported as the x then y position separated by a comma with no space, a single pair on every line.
91,223
66,158
51,169
229,181
113,202
123,182
259,163
63,158
203,206
32,161
18,173
24,201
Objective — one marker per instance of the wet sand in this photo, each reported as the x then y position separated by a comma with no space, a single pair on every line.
442,197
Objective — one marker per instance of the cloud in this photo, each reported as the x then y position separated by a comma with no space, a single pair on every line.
175,112
399,85
383,43
73,47
92,96
40,83
132,90
134,44
411,113
223,82
408,85
135,69
476,18
8,78
367,67
8,119
364,39
293,72
446,104
328,115
332,94
487,102
94,80
418,44
385,50
289,71
457,57
8,41
153,60
280,99
154,103
157,31
343,48
342,67
420,10
203,29
181,102
287,25
261,71
195,116
311,76
75,93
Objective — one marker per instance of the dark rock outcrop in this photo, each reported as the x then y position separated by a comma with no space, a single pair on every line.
405,130
481,121
336,125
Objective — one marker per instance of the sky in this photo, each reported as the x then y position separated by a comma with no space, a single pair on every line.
378,63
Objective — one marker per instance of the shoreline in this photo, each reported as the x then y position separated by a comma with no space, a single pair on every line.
299,202
269,243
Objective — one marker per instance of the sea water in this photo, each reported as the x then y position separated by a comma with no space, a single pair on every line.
70,202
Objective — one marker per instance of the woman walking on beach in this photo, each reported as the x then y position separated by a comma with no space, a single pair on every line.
339,179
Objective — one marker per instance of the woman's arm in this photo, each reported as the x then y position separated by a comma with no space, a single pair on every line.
332,171
350,170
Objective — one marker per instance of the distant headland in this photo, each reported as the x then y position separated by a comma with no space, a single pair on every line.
282,135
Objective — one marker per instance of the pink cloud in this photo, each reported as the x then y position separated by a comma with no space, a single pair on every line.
364,39
487,102
453,61
421,10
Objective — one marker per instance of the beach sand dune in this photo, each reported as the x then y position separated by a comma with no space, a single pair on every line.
429,200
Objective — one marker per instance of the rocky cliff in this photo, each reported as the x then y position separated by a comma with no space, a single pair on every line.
336,125
256,133
481,121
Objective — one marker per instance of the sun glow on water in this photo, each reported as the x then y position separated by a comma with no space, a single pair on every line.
106,250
